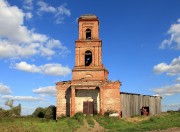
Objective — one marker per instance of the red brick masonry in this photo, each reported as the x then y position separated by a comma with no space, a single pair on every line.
94,77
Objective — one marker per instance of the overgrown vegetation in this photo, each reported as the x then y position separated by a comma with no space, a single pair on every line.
89,120
14,111
48,112
79,116
33,124
163,121
69,124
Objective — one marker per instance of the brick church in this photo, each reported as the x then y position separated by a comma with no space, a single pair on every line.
89,91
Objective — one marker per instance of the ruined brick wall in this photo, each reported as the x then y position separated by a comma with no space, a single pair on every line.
94,74
112,96
63,98
87,95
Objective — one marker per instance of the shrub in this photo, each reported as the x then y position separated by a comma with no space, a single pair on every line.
50,112
39,112
16,111
13,111
62,116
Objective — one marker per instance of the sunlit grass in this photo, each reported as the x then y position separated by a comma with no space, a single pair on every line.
152,123
69,124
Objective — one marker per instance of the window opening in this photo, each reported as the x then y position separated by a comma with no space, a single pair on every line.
88,58
88,34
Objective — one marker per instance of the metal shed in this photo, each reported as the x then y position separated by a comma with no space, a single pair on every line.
132,104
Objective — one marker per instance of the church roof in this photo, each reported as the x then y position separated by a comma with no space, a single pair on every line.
88,16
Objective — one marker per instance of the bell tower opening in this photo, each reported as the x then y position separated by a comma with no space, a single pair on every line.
88,58
88,34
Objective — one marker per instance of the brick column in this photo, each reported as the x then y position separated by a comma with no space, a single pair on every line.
72,100
101,101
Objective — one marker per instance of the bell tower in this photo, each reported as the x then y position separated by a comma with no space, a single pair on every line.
89,91
88,48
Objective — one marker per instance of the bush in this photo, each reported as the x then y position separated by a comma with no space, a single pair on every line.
62,116
50,112
16,111
5,113
39,112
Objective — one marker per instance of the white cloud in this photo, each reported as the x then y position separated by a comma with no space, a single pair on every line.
49,90
59,12
62,10
4,89
44,7
167,90
48,69
22,98
17,41
174,40
172,69
28,4
28,15
26,67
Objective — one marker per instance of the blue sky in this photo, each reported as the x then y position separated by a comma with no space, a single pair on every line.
141,47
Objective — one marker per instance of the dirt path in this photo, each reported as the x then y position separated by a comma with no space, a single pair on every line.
87,128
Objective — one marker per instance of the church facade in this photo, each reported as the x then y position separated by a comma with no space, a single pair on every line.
89,91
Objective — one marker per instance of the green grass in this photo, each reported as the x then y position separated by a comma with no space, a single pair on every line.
69,124
165,121
35,124
89,120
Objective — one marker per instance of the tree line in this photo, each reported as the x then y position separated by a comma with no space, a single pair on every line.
40,112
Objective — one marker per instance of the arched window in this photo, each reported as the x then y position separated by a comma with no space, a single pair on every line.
88,58
88,33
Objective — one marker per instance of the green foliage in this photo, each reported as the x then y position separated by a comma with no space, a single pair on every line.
39,112
90,121
14,111
48,113
5,113
79,116
62,116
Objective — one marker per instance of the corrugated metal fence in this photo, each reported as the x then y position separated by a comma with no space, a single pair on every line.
131,104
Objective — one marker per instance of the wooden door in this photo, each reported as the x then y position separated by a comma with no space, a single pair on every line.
88,107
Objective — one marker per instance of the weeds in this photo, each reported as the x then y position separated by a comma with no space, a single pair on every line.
79,116
90,120
69,124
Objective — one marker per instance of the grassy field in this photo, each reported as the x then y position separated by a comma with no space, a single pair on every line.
137,123
38,125
141,123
